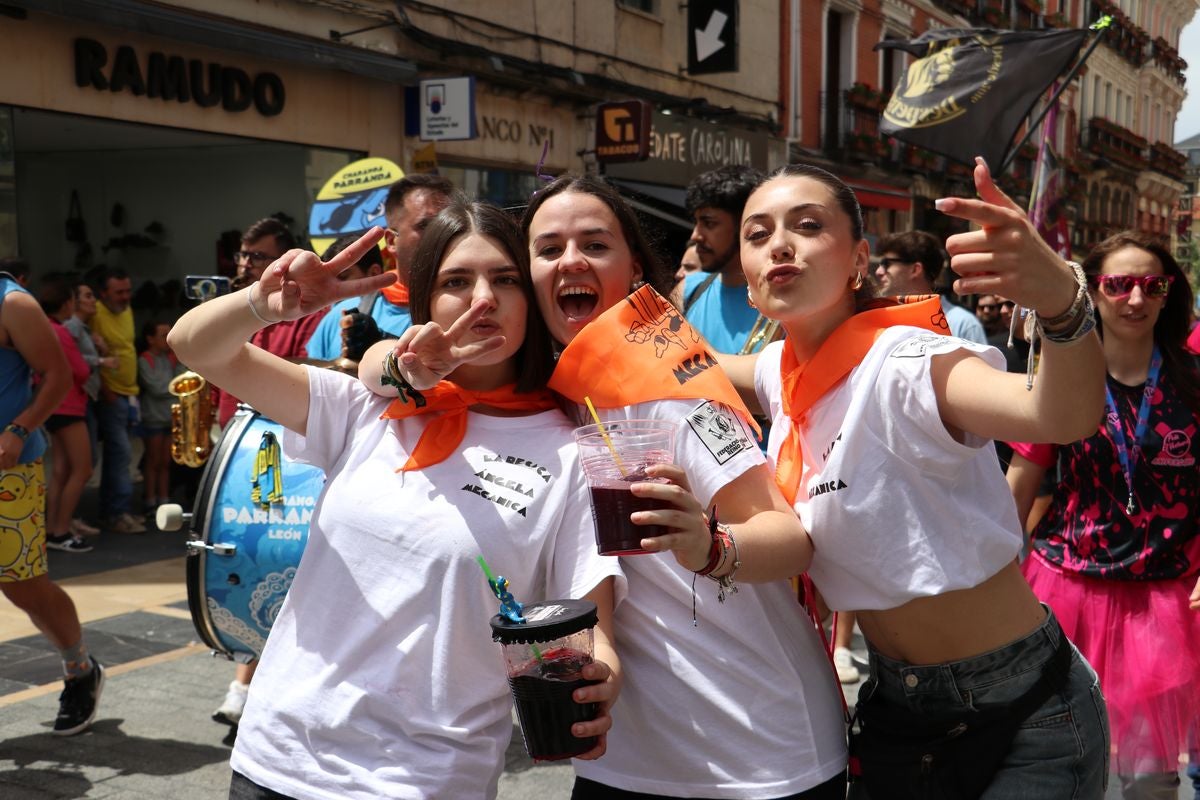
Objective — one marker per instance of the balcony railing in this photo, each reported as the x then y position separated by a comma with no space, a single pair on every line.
1116,144
1168,161
1168,58
1124,36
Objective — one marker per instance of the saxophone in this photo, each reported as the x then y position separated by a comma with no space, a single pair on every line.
762,334
191,419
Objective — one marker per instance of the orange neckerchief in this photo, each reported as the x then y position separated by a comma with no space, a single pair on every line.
639,350
444,433
805,384
396,294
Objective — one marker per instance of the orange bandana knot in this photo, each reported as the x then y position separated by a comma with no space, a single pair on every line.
444,433
396,294
805,384
639,350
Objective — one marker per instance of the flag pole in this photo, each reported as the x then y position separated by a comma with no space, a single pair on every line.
1096,27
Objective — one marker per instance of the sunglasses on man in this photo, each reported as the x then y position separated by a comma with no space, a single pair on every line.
1117,286
1008,305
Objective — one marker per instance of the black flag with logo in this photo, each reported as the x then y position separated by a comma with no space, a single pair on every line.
970,88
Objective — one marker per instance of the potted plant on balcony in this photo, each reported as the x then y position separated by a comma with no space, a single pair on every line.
861,95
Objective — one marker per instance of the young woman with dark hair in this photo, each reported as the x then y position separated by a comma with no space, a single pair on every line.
1117,554
380,678
742,703
881,434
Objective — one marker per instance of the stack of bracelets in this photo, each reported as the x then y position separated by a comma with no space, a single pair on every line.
718,554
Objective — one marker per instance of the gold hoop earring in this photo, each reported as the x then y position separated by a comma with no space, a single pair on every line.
750,299
858,281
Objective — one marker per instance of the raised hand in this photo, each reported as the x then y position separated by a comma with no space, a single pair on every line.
425,354
299,283
689,540
1006,256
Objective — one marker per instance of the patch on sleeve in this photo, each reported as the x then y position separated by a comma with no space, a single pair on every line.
924,344
721,430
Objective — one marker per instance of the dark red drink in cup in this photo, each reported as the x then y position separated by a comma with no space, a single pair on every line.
545,658
614,457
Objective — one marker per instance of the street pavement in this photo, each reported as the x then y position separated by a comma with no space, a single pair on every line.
153,737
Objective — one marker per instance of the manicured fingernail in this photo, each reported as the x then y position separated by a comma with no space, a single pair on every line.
940,203
979,160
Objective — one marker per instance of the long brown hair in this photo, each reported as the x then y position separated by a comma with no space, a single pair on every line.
1172,327
535,359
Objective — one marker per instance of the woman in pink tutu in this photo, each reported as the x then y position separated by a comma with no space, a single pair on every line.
1117,555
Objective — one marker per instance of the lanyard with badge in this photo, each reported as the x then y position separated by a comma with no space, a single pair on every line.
1127,455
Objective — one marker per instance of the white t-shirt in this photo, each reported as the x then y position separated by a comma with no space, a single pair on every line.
745,705
896,507
380,677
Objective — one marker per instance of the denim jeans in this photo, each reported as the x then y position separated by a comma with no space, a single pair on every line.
1193,772
1060,751
116,487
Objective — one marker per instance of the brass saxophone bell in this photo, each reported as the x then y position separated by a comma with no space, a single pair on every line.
191,419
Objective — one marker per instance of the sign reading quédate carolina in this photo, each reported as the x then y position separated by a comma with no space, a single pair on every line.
172,78
682,148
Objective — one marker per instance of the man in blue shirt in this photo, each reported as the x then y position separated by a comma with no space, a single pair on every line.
359,322
910,263
29,345
714,298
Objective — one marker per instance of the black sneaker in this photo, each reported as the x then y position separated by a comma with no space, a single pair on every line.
78,701
68,543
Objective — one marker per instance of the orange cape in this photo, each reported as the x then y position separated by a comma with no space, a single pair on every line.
639,350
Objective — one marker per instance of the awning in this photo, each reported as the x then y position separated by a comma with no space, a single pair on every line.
664,202
228,34
881,195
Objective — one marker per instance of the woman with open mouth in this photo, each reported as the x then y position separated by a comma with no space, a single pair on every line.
725,695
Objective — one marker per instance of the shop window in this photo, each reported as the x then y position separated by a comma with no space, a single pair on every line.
503,187
8,187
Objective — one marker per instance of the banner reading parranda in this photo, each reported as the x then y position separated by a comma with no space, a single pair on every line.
971,88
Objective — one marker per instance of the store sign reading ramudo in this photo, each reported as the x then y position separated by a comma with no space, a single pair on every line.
174,78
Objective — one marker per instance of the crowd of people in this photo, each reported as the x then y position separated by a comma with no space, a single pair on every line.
840,473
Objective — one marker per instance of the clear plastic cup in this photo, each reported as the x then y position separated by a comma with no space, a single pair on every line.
544,660
613,459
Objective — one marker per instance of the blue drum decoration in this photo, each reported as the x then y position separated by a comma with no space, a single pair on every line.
249,529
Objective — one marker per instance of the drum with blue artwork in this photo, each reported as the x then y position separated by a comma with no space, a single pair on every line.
249,529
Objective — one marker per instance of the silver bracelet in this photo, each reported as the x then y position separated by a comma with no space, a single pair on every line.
254,310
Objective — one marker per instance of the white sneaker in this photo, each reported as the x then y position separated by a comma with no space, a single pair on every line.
847,670
230,711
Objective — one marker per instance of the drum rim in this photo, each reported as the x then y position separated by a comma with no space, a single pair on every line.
242,419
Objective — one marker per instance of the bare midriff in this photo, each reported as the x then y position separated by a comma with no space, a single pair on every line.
956,625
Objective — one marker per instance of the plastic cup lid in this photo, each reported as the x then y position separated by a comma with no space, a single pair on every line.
545,622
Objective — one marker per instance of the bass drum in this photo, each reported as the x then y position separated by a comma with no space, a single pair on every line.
249,529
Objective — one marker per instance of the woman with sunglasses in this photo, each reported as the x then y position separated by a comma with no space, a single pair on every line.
380,678
1117,555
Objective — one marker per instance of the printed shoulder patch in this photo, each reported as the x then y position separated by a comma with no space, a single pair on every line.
923,344
721,430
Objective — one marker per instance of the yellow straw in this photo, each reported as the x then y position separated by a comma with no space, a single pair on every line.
604,433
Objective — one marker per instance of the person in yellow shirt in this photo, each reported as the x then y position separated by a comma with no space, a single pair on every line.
117,406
